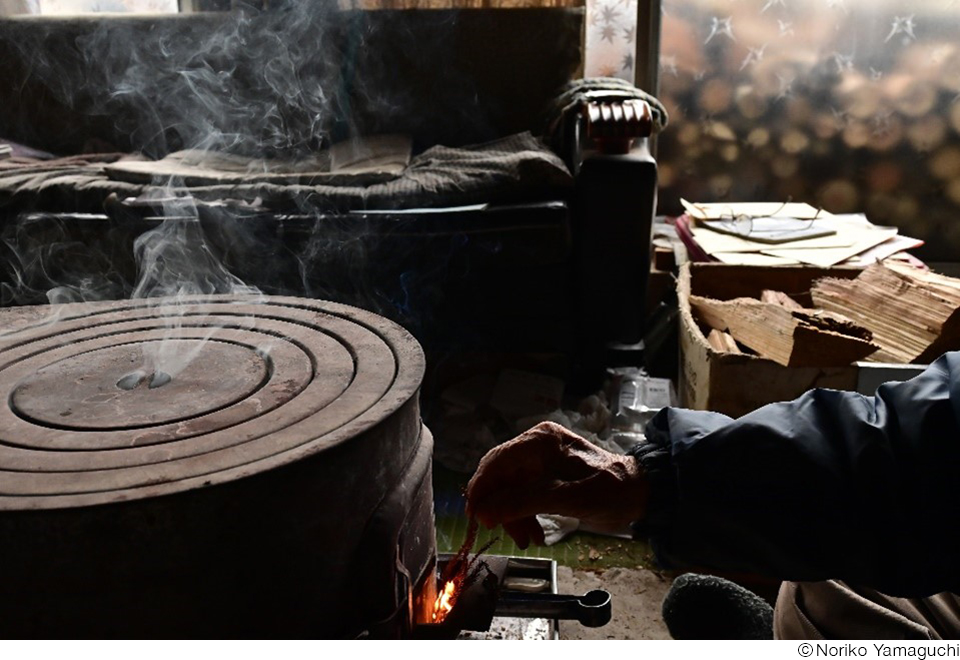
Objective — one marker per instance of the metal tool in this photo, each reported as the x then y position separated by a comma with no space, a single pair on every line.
592,609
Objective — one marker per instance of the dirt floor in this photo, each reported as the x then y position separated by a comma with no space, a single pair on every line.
637,594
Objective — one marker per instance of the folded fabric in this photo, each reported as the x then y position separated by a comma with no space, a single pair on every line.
512,168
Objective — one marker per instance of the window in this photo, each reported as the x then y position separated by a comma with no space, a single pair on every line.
852,105
87,6
611,38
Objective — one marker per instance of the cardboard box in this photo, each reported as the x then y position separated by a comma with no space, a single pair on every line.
736,384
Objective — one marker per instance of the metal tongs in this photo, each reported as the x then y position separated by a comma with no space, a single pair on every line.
591,609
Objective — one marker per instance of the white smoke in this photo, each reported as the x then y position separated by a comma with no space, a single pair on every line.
176,266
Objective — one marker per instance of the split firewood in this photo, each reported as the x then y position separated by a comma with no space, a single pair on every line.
898,209
885,176
688,134
948,286
859,96
758,137
750,103
716,96
722,342
912,96
783,166
799,111
729,152
952,190
779,298
794,141
927,133
769,74
945,163
827,124
955,117
839,196
666,174
914,315
720,185
885,133
793,338
857,134
719,131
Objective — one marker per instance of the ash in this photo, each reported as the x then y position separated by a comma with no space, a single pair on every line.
514,628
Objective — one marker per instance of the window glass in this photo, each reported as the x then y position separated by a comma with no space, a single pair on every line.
611,38
850,105
11,7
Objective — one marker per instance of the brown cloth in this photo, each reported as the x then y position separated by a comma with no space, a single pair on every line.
510,169
836,610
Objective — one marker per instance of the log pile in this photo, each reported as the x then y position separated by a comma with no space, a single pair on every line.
890,312
778,108
791,337
779,298
723,342
914,314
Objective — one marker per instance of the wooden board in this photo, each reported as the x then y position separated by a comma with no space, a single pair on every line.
914,314
788,337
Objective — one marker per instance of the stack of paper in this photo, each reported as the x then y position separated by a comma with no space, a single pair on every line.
728,233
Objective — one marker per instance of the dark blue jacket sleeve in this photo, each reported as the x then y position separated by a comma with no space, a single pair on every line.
833,485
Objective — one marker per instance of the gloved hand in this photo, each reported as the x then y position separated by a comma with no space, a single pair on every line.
549,469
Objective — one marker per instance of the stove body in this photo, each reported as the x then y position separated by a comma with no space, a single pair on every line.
278,485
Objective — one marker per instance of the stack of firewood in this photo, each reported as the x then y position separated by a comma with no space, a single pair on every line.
889,313
773,109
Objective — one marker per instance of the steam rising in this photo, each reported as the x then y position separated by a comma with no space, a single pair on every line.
245,82
175,261
176,266
40,261
268,85
264,84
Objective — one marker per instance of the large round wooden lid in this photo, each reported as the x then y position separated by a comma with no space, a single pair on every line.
104,402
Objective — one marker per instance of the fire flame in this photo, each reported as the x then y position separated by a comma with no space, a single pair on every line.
444,602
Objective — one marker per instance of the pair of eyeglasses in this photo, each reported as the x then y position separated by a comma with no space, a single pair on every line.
748,225
768,227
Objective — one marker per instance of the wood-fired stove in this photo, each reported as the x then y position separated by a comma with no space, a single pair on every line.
226,466
218,466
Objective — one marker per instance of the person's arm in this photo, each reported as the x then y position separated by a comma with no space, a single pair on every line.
549,469
831,485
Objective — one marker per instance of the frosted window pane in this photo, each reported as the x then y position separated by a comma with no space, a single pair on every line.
851,105
86,6
15,7
611,38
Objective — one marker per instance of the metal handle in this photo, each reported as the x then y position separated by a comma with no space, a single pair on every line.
592,609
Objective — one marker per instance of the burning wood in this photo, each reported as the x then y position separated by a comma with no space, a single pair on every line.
460,572
444,603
